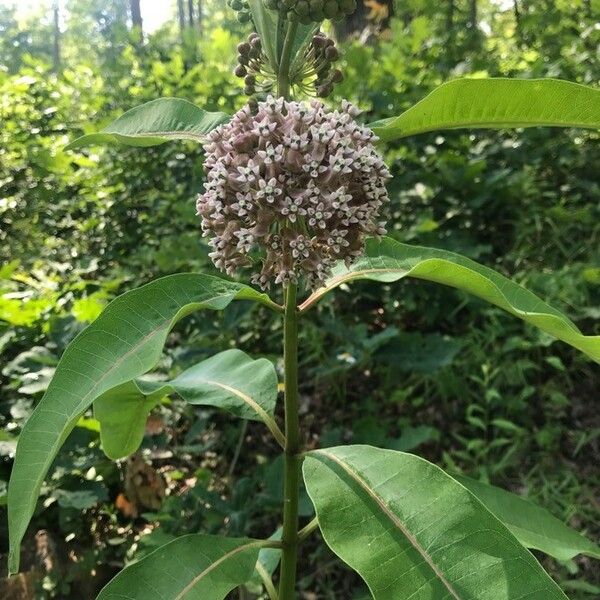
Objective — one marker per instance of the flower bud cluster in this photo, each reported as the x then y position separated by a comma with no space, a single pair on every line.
242,10
313,11
320,57
298,186
252,66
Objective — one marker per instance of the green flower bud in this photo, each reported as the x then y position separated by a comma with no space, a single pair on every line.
250,80
302,9
249,90
316,6
347,6
331,9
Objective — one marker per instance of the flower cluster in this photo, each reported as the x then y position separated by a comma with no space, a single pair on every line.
317,64
252,65
312,75
299,185
307,11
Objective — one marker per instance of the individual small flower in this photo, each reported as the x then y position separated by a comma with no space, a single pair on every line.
291,189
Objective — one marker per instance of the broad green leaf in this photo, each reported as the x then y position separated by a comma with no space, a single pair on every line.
387,260
154,123
532,525
192,567
124,342
230,380
411,531
497,103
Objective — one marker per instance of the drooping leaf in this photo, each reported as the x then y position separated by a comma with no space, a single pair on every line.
124,342
230,380
387,260
192,567
497,103
532,525
154,123
411,531
122,413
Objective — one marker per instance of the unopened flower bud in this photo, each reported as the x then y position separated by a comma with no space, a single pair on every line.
332,54
240,71
324,89
243,48
337,76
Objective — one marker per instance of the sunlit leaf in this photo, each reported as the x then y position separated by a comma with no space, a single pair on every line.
230,380
124,342
387,260
497,103
154,123
411,531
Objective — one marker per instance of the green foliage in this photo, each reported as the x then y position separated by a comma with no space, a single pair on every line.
410,529
386,260
208,567
497,103
123,343
533,526
230,380
154,123
80,227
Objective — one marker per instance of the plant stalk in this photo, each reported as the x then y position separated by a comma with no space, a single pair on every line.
283,76
291,483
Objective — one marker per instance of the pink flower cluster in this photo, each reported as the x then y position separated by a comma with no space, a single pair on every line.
297,185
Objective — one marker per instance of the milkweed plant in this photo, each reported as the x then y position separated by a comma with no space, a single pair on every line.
295,200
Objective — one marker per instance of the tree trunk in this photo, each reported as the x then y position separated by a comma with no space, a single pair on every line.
517,13
199,17
191,13
473,15
56,45
181,16
136,19
450,18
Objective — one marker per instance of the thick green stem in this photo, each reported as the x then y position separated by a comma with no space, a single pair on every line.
291,484
283,76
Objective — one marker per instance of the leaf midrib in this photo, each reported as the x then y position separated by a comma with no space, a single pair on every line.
393,127
394,519
213,566
115,366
